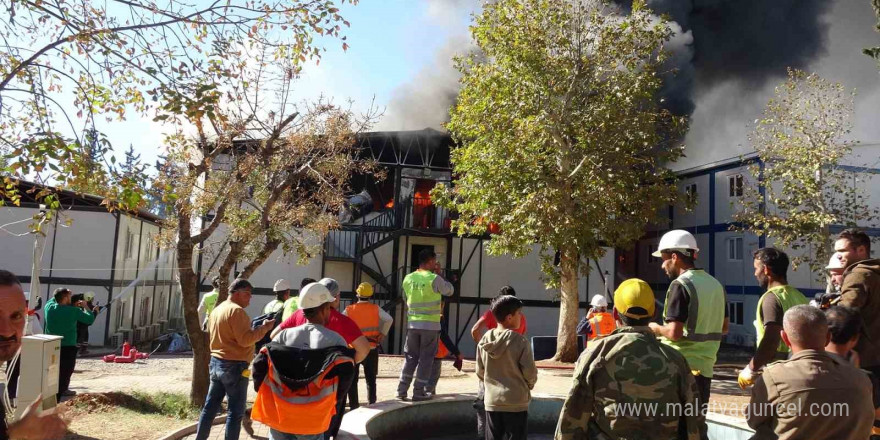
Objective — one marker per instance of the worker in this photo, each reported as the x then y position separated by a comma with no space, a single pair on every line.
349,331
860,289
35,423
374,324
771,269
831,296
424,289
296,374
231,341
598,322
811,395
61,319
282,294
695,312
290,305
630,368
208,302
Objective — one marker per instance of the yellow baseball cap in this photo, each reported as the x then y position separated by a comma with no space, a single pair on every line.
634,298
365,290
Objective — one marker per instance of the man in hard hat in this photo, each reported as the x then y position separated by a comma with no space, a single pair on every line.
771,269
630,367
291,305
282,294
860,289
208,302
598,322
297,376
424,291
375,324
831,296
695,312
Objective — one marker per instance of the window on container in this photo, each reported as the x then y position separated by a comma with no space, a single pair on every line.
735,249
690,192
735,312
735,184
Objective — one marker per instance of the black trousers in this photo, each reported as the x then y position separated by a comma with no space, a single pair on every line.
704,386
371,370
507,425
66,365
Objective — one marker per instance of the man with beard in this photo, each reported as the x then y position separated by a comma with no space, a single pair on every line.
771,269
13,308
695,312
860,289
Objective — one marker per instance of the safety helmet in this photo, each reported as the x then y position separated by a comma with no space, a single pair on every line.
89,296
835,262
331,285
599,301
314,295
677,240
634,298
365,290
281,285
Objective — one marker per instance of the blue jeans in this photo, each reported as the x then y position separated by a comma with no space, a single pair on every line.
278,435
226,380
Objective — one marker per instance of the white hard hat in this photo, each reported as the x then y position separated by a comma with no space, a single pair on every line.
331,285
281,285
314,295
835,262
599,301
677,240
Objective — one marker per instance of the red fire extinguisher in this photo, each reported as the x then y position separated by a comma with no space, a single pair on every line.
126,348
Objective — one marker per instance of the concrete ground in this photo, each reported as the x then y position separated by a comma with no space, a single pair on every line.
173,373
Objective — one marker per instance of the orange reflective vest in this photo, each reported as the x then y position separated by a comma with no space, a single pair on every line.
307,410
601,324
442,351
366,316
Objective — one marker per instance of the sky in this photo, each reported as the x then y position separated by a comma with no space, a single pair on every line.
390,42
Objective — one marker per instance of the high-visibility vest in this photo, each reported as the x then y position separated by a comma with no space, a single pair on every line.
601,324
423,303
210,301
366,316
290,307
702,332
787,297
273,306
442,351
307,410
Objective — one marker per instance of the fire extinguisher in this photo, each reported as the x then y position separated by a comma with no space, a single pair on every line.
126,348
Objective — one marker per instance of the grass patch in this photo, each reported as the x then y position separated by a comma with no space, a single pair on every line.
175,405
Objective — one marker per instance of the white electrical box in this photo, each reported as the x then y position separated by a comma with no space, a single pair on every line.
40,365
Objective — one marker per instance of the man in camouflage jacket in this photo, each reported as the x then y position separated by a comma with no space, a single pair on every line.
629,385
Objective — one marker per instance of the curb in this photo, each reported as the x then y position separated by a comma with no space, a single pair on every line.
190,429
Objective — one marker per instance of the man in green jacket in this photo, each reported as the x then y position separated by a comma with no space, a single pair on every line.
61,318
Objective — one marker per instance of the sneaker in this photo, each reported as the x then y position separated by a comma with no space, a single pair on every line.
422,397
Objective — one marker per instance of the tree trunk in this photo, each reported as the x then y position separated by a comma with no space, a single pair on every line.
566,342
189,290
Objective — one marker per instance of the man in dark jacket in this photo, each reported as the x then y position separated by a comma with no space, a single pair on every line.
61,319
302,361
860,289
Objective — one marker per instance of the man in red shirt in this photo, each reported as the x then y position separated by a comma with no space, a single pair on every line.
485,323
349,330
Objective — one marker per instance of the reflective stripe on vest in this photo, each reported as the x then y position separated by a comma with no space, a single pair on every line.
788,297
702,331
601,324
307,410
423,303
366,316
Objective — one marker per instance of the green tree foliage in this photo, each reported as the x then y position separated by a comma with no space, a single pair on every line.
561,136
800,140
67,66
874,52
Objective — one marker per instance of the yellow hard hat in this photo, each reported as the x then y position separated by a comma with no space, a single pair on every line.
634,298
365,290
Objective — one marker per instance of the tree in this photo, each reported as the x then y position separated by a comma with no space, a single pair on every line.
561,136
874,52
800,141
251,181
66,66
